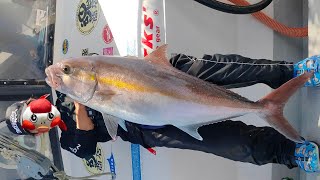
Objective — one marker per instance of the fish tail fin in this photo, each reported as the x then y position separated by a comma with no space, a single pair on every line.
274,104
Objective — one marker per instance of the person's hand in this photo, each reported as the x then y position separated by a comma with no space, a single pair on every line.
79,107
82,119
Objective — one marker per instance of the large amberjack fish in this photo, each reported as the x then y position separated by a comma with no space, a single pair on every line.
150,91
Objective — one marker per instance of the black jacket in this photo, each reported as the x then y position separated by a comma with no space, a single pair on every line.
83,143
232,140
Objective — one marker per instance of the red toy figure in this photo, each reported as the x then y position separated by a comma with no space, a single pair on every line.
40,116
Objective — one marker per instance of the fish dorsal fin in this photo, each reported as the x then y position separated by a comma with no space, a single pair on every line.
158,56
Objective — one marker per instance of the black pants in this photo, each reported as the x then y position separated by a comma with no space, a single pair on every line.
234,71
232,139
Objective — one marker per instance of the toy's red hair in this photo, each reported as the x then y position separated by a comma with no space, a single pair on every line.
41,105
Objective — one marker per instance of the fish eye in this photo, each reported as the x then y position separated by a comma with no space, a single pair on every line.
50,116
33,118
66,69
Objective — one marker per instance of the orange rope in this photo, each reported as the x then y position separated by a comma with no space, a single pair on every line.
273,24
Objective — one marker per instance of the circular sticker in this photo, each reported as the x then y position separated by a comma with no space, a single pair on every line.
95,164
107,34
65,46
87,15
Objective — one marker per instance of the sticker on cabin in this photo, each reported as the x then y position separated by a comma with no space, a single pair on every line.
87,15
108,51
112,166
65,46
86,52
95,164
107,34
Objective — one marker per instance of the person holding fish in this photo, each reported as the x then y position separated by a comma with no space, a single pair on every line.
179,105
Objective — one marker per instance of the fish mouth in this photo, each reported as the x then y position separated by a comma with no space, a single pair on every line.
53,78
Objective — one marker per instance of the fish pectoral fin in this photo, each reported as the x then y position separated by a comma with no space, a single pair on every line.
111,123
104,95
192,131
122,124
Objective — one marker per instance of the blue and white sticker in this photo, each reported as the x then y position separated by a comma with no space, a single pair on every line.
112,165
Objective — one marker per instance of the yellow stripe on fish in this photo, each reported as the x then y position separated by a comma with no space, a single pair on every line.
116,82
130,86
113,81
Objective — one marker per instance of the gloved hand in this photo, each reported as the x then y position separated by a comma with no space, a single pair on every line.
311,64
307,156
